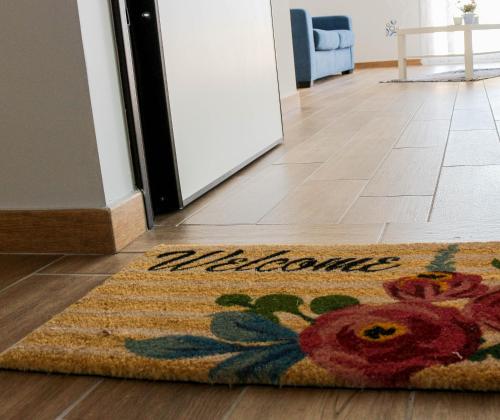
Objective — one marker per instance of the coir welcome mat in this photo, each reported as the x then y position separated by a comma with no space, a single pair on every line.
399,316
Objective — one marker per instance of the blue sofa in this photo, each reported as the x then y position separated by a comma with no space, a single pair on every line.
322,46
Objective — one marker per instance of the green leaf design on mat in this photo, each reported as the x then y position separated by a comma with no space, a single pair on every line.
269,304
266,306
444,260
247,327
234,300
324,304
260,350
496,263
482,355
180,347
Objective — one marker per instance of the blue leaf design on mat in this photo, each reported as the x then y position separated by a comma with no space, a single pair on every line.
248,327
180,347
260,365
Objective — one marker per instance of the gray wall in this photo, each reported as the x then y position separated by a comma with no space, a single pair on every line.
49,156
63,139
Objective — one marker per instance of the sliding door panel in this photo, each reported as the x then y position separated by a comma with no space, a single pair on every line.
223,94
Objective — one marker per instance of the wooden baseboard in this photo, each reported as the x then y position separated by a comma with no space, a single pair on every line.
75,231
385,64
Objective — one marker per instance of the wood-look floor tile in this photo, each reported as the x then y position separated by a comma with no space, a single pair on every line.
431,133
496,111
128,399
33,301
472,101
250,203
358,159
258,234
40,396
390,125
304,130
472,120
389,209
227,187
315,203
318,148
15,267
456,406
317,404
435,110
478,147
90,264
449,231
467,193
407,172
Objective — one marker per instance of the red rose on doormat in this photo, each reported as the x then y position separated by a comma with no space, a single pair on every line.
382,346
436,286
486,309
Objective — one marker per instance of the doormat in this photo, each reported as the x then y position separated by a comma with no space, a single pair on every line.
451,76
420,316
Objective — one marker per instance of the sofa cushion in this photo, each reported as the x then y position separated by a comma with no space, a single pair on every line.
326,40
346,38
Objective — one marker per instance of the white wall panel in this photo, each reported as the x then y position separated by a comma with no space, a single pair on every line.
223,91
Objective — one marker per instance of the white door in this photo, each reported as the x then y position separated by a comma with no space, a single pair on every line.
222,85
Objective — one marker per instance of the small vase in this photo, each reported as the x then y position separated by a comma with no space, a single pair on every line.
469,18
458,20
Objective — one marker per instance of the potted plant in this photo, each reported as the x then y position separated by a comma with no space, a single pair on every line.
468,8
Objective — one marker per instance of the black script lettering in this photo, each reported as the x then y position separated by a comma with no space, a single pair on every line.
382,261
278,264
350,266
178,255
181,267
255,262
346,264
232,263
174,265
301,264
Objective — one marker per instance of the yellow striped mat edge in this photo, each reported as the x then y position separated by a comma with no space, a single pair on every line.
418,316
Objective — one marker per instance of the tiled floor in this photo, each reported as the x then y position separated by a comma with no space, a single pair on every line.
362,162
383,153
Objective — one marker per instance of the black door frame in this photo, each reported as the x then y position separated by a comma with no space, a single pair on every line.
140,53
145,89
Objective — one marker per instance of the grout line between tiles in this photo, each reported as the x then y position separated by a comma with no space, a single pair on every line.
36,272
410,406
75,403
433,202
235,404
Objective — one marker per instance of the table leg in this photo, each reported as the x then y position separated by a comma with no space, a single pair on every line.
403,71
469,54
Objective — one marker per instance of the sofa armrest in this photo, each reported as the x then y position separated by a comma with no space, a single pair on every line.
330,23
303,45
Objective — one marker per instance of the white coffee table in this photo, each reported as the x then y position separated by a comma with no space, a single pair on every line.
468,53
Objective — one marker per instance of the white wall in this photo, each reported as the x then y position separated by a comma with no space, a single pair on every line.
62,135
369,19
284,47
